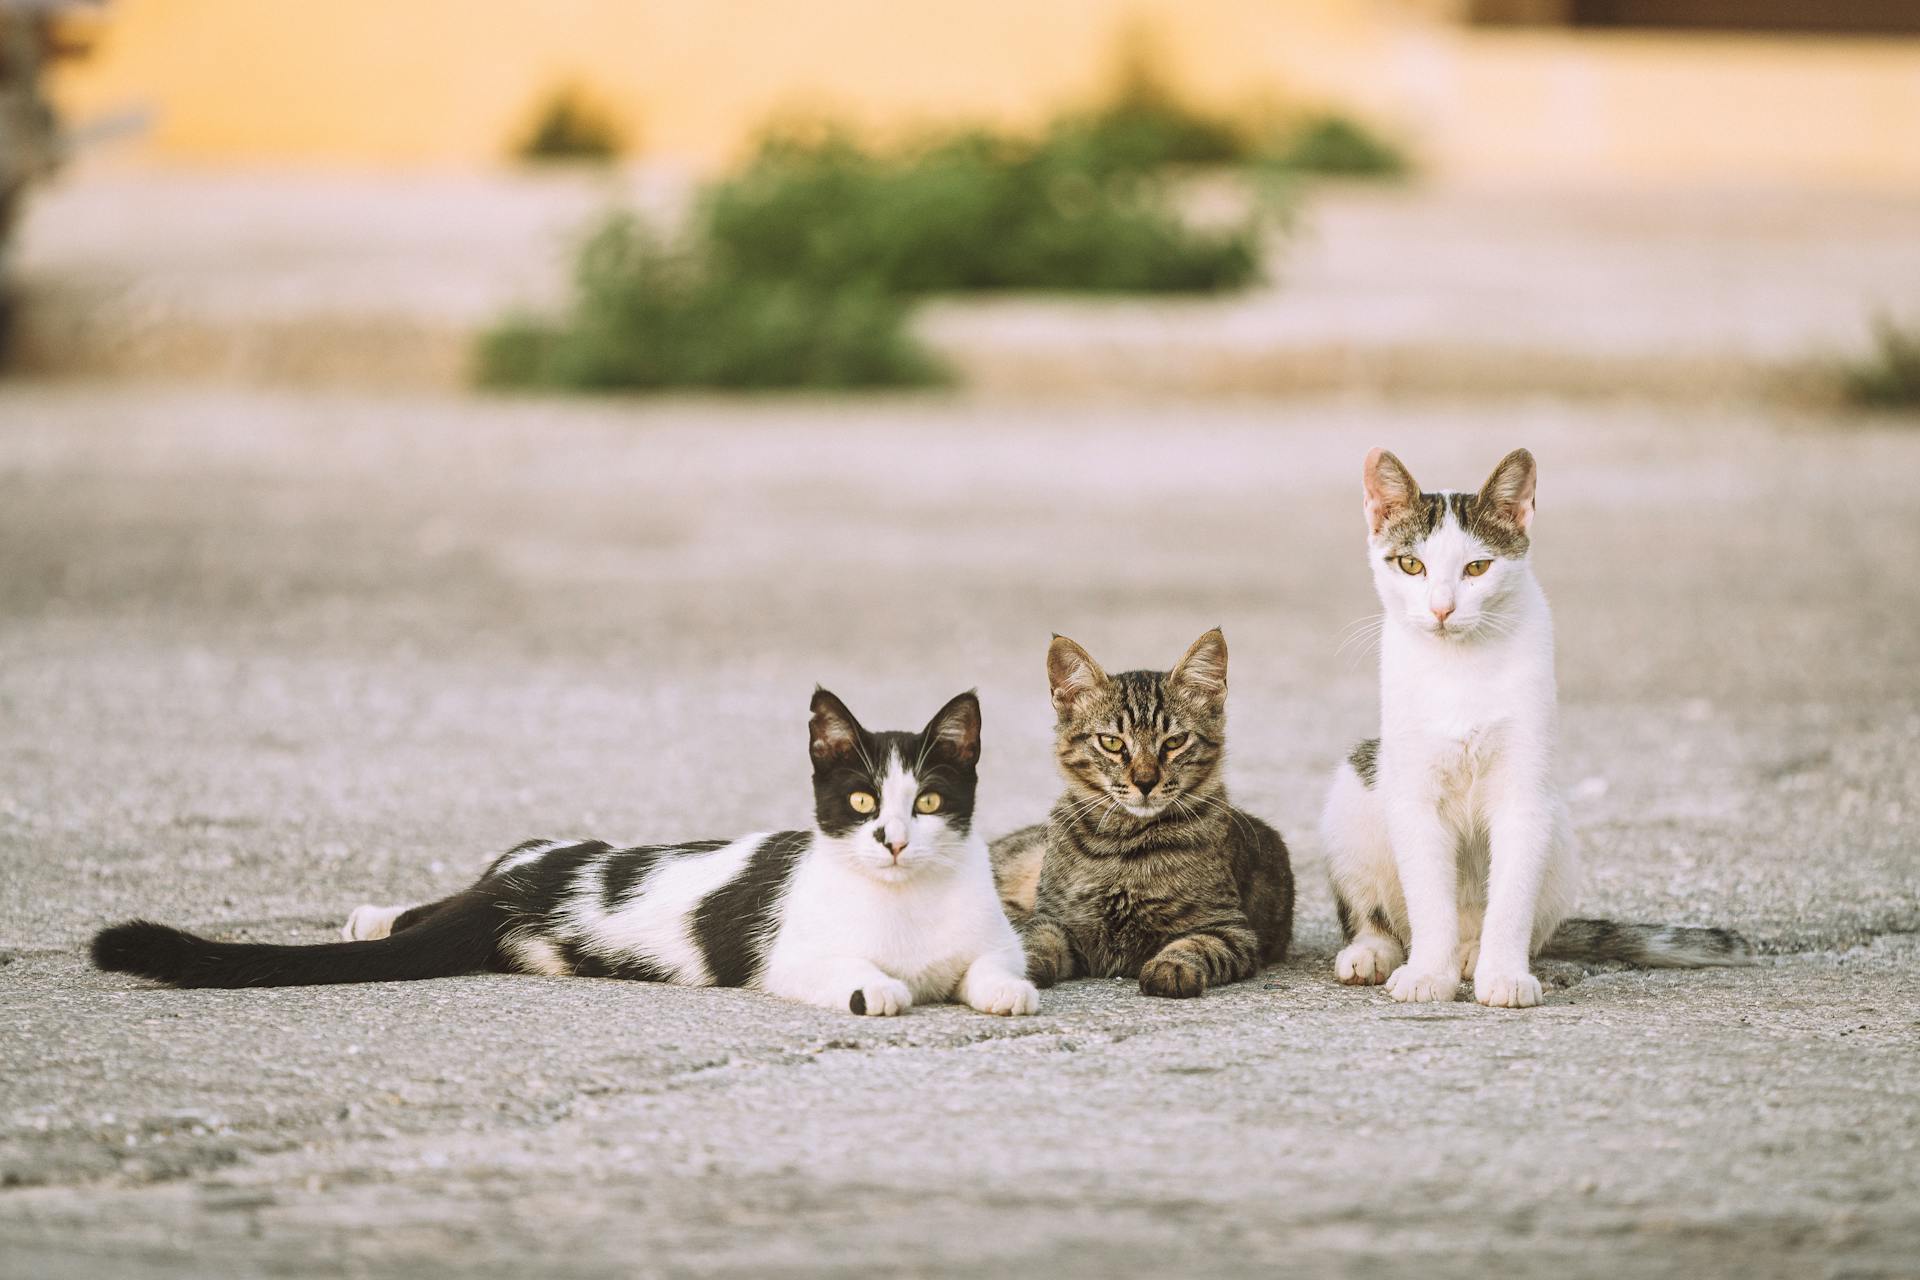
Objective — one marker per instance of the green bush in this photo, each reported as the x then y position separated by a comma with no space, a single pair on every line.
568,126
1336,145
1890,377
1144,125
649,315
972,211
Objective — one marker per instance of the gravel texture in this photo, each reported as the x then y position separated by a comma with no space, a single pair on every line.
263,658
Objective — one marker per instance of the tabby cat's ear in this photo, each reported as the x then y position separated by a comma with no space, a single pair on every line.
955,729
1202,672
1390,488
1071,673
1507,496
833,734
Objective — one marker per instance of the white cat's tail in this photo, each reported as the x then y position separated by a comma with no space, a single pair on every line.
1646,946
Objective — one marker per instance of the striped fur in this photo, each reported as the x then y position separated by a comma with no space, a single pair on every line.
1144,868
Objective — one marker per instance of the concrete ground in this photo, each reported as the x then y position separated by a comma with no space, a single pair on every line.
264,657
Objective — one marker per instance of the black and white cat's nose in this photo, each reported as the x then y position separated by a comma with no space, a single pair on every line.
897,847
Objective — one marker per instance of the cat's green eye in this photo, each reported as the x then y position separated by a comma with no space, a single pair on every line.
863,802
1174,743
929,802
1110,743
1477,567
1410,566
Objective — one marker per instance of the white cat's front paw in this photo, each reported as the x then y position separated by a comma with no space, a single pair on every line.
1365,962
1009,997
1507,990
367,922
1409,987
882,999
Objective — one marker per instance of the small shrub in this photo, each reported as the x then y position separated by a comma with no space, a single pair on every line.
1337,145
647,314
1890,377
967,212
569,126
1144,124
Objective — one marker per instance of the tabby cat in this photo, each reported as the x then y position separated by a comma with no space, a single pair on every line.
1144,869
888,900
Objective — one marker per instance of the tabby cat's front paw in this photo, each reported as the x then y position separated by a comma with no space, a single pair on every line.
1008,996
882,999
1177,978
1507,991
1421,988
1042,972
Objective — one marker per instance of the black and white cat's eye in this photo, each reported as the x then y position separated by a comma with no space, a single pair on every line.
862,802
929,802
1477,567
1110,743
1411,566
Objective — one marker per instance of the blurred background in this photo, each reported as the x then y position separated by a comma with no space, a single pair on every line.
1695,195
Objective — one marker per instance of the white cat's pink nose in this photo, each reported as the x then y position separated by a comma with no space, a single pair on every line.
898,848
1441,612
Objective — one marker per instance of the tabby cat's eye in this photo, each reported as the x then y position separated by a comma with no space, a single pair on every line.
929,802
1477,567
862,802
1174,743
1110,743
1410,566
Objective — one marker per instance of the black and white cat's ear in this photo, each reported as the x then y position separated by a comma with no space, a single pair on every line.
1507,496
833,734
955,729
1390,489
1202,672
1072,674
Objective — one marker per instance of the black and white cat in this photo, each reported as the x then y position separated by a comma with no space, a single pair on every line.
888,900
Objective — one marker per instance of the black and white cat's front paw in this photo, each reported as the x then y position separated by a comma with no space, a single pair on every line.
1003,995
881,998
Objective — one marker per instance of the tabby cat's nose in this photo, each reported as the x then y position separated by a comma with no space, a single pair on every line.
1145,785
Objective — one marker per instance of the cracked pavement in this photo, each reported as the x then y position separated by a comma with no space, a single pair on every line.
264,657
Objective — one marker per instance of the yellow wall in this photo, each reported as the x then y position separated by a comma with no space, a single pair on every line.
447,82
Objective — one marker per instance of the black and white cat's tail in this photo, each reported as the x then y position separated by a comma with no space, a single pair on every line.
1646,946
458,935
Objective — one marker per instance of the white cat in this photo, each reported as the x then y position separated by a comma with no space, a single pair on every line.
1448,843
889,900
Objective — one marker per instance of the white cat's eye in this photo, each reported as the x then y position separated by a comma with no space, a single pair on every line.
1174,743
1410,566
929,802
1477,567
862,802
1110,743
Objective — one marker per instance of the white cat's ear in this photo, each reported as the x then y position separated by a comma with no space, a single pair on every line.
1203,671
1507,496
1390,488
1072,673
955,728
832,733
